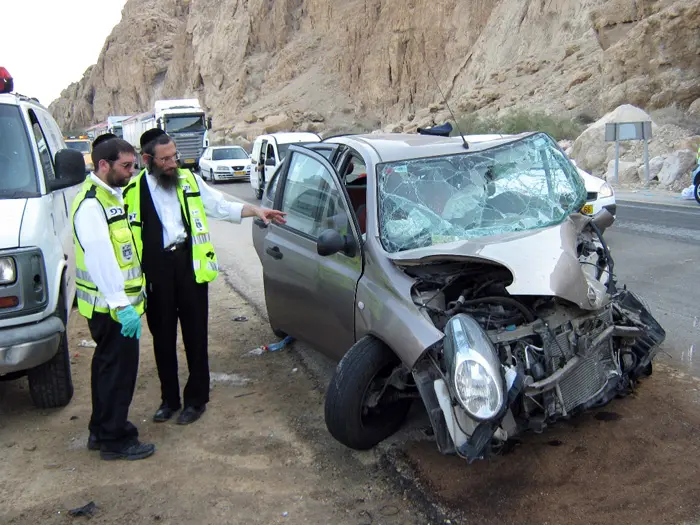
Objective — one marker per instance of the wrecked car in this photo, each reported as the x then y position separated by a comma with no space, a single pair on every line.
455,271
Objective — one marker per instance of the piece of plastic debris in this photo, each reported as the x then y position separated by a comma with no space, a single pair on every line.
240,318
229,379
87,344
274,347
85,510
294,370
285,514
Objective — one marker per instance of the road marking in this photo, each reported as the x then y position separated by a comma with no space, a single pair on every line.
622,202
683,234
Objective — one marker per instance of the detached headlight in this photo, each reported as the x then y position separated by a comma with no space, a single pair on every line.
605,191
8,271
474,367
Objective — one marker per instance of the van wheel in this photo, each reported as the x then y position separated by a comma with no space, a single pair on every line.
258,194
51,383
354,415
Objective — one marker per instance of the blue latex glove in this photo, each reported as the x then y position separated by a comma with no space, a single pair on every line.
131,322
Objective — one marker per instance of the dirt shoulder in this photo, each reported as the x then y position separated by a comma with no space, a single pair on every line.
634,461
259,455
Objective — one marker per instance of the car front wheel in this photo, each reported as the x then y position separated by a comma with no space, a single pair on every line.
51,383
361,408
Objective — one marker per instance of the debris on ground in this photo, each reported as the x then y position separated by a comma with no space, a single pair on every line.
229,379
240,318
274,347
86,510
87,344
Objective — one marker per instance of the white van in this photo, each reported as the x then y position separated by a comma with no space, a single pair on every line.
39,178
268,153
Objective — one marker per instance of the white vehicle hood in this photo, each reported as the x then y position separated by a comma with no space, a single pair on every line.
11,211
230,163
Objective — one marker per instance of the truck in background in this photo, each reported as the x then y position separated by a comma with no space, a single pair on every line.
96,130
83,144
183,119
114,124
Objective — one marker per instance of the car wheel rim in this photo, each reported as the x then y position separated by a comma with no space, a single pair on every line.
374,410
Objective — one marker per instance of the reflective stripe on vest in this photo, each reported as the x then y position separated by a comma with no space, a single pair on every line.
204,261
89,298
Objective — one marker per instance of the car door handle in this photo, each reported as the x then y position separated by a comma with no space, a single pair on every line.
274,252
259,222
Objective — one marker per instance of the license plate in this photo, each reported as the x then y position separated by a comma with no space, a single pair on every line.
587,209
189,161
239,172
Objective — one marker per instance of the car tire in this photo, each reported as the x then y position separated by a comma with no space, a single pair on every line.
51,383
347,418
697,187
211,175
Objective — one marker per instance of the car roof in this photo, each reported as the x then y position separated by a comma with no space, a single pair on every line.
16,98
400,146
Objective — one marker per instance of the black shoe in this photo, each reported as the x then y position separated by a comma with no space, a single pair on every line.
93,443
163,413
131,451
190,415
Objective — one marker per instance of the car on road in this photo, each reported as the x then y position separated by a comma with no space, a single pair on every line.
390,240
224,163
39,178
268,153
600,194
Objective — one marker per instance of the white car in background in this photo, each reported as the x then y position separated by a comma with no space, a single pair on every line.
600,194
220,163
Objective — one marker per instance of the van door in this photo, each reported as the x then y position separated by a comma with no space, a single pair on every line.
62,200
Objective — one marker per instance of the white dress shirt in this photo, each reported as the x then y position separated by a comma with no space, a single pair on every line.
168,208
100,261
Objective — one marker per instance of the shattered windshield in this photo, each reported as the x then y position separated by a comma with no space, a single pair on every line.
522,185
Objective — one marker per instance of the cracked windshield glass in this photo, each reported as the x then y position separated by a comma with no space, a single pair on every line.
522,185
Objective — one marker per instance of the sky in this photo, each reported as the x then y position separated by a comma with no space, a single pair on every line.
47,44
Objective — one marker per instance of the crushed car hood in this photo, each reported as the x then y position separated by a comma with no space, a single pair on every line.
542,262
11,211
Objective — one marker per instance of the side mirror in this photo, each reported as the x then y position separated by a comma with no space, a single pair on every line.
70,169
330,242
208,122
270,161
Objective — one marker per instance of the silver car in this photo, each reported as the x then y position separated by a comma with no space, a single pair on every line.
460,272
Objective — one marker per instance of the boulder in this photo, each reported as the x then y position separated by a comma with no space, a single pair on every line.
590,149
655,166
627,172
676,165
280,122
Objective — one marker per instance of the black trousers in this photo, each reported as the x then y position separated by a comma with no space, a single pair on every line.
174,294
115,366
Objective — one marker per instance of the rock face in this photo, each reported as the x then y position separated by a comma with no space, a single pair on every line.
366,64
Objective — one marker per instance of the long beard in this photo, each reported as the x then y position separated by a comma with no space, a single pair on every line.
166,179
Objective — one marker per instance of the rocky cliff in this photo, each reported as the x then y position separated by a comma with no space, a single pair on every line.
360,64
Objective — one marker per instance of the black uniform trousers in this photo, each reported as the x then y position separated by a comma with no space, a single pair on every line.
174,294
115,366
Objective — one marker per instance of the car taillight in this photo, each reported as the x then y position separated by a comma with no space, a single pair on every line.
6,82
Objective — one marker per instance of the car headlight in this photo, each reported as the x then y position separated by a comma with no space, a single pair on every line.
8,271
605,191
474,367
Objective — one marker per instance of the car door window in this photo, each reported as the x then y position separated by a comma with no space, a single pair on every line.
311,198
43,146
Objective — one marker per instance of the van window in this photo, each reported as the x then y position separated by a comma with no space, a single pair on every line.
45,153
17,169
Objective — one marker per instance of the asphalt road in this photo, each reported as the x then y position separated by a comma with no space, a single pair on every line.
656,248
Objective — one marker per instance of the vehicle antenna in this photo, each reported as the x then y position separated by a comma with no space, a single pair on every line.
464,141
